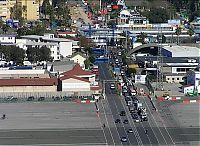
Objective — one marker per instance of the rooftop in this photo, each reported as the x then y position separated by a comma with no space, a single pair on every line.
77,71
29,82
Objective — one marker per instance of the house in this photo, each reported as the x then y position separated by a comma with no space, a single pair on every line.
79,58
66,33
78,80
26,80
60,47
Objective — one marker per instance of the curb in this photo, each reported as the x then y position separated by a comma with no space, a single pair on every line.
85,101
191,101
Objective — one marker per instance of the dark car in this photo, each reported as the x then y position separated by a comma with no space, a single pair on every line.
135,117
41,98
125,121
122,113
30,98
117,121
56,98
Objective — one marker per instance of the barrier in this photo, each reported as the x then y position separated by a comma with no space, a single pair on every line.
191,101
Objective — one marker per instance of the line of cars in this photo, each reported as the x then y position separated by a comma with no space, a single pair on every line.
138,113
42,98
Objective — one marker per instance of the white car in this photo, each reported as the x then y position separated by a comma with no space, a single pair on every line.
112,86
124,139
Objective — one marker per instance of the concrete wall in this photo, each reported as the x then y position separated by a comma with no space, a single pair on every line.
75,85
28,89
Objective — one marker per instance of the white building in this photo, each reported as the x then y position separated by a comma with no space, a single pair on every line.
79,58
7,39
58,46
193,78
180,51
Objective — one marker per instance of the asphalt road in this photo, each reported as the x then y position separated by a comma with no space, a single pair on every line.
158,133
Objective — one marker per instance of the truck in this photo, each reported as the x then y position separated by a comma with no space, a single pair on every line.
142,113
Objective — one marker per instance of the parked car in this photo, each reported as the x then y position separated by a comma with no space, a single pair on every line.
112,86
41,98
30,98
57,98
11,98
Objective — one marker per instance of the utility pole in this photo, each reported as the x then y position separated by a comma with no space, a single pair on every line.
159,81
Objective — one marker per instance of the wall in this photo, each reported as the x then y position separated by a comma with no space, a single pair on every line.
75,85
28,89
79,59
65,48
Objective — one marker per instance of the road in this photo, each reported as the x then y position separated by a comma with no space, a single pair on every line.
158,134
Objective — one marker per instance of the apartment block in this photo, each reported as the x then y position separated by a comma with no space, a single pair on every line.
5,6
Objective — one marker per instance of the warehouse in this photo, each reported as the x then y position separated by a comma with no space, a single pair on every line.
180,51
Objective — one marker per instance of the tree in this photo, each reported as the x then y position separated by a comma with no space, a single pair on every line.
5,28
32,54
85,43
178,32
16,13
13,53
190,32
157,15
87,63
44,54
142,38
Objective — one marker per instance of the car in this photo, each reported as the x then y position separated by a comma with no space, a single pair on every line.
145,119
112,86
30,98
124,139
122,113
135,117
130,131
11,98
57,98
126,121
117,121
41,98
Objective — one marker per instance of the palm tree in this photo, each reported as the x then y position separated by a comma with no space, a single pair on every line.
178,32
190,32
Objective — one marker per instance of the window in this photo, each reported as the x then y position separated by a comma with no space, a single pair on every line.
177,79
172,79
58,57
168,79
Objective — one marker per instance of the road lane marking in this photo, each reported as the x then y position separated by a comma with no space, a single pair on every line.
136,133
149,122
105,114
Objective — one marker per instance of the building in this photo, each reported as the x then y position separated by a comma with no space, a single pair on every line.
30,9
79,58
180,51
26,80
60,47
193,81
7,39
5,6
58,67
78,79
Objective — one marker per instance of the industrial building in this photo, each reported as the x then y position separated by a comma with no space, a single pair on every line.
26,80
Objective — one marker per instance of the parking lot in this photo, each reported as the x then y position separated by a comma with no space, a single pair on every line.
30,123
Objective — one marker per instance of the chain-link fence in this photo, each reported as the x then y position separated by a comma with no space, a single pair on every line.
45,96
